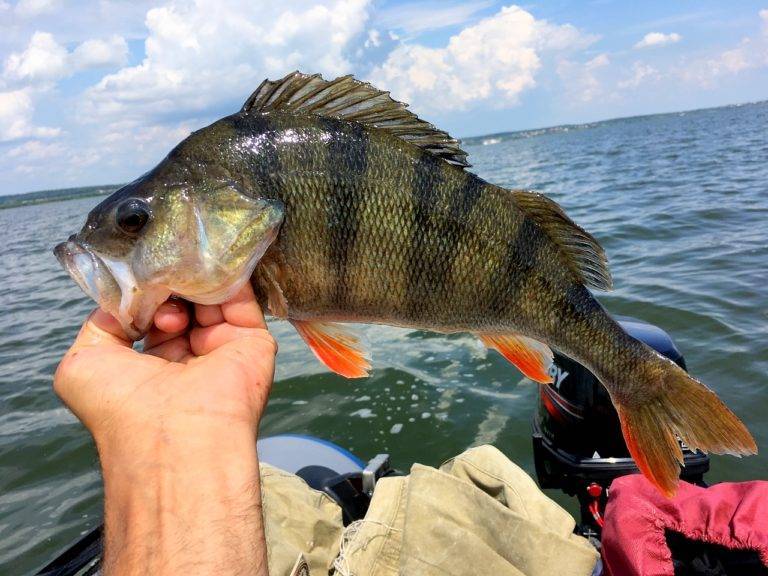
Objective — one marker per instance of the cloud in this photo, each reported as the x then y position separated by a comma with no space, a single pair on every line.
16,110
32,8
423,16
706,71
580,80
100,53
640,74
374,39
750,53
45,60
495,60
658,39
36,150
203,54
142,143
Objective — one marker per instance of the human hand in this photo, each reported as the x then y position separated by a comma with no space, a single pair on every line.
217,374
175,429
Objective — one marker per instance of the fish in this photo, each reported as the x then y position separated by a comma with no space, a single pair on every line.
341,206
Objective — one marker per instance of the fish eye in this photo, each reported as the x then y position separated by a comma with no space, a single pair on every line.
132,215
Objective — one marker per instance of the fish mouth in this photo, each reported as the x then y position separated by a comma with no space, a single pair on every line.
112,285
89,272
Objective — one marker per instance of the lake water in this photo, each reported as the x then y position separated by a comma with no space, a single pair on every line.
679,201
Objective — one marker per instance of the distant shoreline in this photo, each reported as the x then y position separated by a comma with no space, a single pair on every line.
59,195
479,139
45,196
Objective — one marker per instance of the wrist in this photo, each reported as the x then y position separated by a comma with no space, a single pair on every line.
172,437
171,495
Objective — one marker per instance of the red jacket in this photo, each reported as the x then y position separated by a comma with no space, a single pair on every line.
734,515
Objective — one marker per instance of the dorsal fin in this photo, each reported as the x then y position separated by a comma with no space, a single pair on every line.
347,98
584,255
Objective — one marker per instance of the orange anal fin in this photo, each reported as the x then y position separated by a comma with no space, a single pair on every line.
335,346
531,357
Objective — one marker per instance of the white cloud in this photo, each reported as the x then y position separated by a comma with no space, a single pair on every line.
598,61
43,60
658,39
32,8
4,6
495,60
423,16
99,53
640,74
374,39
208,52
119,142
16,110
36,150
706,71
580,80
750,53
145,142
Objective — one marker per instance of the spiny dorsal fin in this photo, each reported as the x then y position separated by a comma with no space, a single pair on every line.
585,257
347,98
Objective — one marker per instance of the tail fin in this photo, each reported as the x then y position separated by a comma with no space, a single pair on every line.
684,408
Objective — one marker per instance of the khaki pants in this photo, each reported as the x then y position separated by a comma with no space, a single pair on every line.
478,514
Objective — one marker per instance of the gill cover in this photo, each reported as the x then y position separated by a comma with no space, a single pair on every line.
202,243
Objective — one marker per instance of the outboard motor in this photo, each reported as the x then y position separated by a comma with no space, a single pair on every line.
578,446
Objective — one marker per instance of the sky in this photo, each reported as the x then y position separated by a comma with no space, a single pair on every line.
97,92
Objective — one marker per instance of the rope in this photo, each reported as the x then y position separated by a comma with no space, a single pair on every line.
348,547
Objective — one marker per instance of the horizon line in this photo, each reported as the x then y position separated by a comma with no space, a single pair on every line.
462,139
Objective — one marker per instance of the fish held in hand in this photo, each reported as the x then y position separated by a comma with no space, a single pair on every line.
155,238
342,206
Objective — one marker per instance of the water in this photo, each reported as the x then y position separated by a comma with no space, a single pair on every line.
680,203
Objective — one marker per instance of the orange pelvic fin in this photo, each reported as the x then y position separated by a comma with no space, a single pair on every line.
336,347
531,357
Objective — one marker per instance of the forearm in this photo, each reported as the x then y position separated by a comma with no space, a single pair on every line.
183,502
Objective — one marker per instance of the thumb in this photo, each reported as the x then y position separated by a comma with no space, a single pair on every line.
99,329
246,359
245,350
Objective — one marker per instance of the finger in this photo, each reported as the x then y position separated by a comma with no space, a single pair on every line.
243,310
174,350
155,337
205,340
101,328
208,315
172,317
171,320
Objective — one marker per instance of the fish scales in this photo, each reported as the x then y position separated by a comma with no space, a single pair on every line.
405,228
379,232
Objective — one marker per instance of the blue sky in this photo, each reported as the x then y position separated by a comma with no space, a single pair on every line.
95,92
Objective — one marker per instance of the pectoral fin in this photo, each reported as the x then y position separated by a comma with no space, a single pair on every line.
336,347
267,274
531,357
